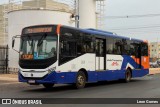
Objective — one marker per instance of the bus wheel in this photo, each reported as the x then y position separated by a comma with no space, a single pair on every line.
48,86
128,76
80,80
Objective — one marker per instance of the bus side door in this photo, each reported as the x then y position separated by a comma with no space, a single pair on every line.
100,54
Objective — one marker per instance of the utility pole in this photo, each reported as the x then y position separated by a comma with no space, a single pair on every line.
77,13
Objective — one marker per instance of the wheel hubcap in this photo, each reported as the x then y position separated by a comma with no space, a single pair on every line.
80,80
128,76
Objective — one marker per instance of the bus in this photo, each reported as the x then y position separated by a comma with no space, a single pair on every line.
58,54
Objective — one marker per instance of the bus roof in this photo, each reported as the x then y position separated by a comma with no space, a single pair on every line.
103,33
107,34
94,31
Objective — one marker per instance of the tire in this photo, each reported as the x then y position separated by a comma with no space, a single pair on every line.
80,80
48,86
128,76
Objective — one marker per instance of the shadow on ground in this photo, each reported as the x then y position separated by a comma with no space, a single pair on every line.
66,87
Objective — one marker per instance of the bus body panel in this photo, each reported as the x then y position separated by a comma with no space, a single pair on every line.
139,73
93,76
53,77
86,61
99,66
114,73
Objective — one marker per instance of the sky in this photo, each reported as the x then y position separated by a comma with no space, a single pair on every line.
2,1
145,28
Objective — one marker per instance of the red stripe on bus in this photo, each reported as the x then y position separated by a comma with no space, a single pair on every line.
58,29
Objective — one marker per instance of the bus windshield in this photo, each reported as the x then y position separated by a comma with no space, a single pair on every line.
38,46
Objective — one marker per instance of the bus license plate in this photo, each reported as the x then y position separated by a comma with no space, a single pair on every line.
31,81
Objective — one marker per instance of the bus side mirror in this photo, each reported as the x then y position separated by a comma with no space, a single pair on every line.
13,41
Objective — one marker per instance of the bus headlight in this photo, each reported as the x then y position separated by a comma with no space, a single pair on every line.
19,70
51,69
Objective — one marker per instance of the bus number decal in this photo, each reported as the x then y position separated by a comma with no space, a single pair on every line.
27,56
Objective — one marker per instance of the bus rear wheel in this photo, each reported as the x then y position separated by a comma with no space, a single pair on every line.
80,80
48,86
128,76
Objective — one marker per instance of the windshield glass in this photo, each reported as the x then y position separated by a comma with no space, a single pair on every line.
39,46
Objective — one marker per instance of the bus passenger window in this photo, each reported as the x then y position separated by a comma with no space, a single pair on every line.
85,44
144,49
68,48
117,46
110,45
83,49
88,44
133,48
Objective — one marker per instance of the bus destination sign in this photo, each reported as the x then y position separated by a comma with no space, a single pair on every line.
38,30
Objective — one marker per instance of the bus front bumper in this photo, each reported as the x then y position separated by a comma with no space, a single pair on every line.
52,78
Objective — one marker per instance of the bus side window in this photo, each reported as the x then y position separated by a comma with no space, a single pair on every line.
88,43
85,43
125,47
80,47
137,49
68,48
144,49
118,46
110,45
68,44
133,48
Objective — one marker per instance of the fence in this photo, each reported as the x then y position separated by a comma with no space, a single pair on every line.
4,59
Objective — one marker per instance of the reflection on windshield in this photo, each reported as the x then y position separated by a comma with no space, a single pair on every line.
38,46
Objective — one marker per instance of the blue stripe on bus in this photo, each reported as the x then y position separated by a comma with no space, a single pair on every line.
70,77
130,60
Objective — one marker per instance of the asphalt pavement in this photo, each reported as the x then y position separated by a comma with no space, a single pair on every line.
145,87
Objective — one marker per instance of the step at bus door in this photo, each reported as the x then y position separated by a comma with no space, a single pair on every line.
100,54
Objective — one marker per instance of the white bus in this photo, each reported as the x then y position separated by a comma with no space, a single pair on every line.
56,54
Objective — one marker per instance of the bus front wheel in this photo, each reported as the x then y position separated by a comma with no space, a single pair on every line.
80,80
48,86
128,76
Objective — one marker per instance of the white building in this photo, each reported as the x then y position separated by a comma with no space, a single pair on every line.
38,12
47,12
154,48
32,4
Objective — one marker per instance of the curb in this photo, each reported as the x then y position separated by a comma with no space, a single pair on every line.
8,79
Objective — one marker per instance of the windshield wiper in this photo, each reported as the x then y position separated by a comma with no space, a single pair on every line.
40,41
29,40
22,42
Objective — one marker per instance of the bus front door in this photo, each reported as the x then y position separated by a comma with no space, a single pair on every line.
100,55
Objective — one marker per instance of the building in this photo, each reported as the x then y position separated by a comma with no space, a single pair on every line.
3,24
32,4
154,48
34,13
17,15
46,4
